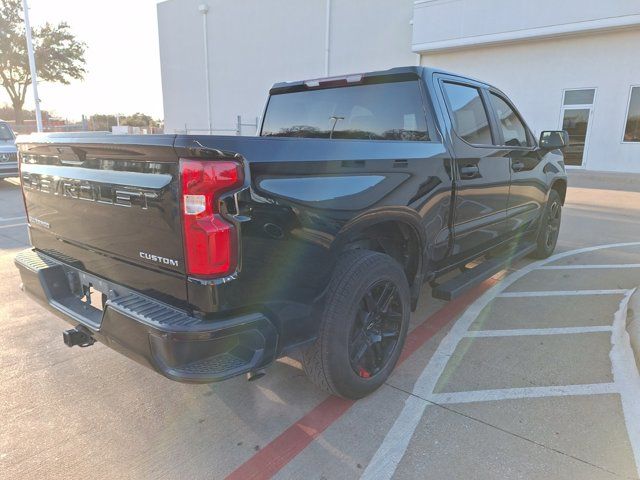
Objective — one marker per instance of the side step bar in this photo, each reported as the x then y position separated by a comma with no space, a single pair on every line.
474,276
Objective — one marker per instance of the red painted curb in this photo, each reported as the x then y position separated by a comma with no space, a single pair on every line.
286,446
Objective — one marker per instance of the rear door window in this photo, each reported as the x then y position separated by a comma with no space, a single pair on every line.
383,111
514,133
468,113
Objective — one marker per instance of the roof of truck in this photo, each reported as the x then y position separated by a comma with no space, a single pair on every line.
407,72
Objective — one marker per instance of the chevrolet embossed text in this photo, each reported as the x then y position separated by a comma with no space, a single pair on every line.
88,191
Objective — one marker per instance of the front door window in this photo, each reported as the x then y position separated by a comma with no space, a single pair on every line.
577,109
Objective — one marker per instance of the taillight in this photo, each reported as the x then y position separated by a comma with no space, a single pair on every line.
210,241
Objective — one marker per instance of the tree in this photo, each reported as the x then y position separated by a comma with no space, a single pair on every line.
102,123
59,56
105,122
138,120
6,113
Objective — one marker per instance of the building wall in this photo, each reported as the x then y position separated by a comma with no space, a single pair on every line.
253,44
441,24
534,73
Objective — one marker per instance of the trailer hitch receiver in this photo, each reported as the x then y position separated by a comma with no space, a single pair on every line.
79,336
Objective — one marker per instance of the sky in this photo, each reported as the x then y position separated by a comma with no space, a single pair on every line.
123,59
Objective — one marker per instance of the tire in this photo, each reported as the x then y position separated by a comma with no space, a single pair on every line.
549,227
363,326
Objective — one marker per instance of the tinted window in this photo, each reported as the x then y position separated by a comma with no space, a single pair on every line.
513,131
632,127
386,111
469,116
5,132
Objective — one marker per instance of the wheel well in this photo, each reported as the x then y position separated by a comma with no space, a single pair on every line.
397,239
560,186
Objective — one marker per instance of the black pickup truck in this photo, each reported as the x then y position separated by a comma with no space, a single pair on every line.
205,257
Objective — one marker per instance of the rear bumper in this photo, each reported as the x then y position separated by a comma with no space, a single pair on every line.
168,340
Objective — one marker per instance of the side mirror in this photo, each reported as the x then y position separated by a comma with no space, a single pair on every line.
553,139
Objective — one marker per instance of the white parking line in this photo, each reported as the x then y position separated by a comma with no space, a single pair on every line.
619,291
12,225
386,459
522,332
580,267
526,392
11,219
397,440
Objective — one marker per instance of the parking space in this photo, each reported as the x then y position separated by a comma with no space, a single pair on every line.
528,376
505,372
544,438
12,219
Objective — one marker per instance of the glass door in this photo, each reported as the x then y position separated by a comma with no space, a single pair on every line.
577,109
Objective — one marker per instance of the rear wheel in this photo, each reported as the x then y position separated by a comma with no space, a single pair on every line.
363,327
549,227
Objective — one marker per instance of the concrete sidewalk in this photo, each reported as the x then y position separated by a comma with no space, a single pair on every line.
633,325
625,182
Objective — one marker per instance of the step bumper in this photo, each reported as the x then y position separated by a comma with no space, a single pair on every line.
179,346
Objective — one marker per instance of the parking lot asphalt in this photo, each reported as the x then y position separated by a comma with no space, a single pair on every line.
528,376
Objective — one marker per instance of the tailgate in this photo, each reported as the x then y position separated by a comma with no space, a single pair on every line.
110,205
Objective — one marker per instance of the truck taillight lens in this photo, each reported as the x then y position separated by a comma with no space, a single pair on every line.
210,241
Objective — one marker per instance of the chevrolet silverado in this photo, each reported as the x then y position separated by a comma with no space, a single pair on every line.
205,257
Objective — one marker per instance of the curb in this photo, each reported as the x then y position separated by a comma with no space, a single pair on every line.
633,324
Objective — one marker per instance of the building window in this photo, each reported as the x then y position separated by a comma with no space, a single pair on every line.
632,126
579,97
468,113
576,113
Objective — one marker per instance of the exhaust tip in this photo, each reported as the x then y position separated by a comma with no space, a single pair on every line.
255,375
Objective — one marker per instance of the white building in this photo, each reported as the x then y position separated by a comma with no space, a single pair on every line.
566,64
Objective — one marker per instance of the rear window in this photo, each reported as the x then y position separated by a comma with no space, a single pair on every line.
384,111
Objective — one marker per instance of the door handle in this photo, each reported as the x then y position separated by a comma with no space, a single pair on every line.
517,166
469,171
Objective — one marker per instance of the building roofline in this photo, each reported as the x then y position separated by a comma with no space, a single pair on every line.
537,33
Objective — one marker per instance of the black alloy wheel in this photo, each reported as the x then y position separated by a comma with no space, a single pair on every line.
363,326
376,330
552,228
549,228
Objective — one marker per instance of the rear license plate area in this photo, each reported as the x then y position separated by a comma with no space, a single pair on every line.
92,297
92,292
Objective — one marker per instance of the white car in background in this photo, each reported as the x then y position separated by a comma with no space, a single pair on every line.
8,152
